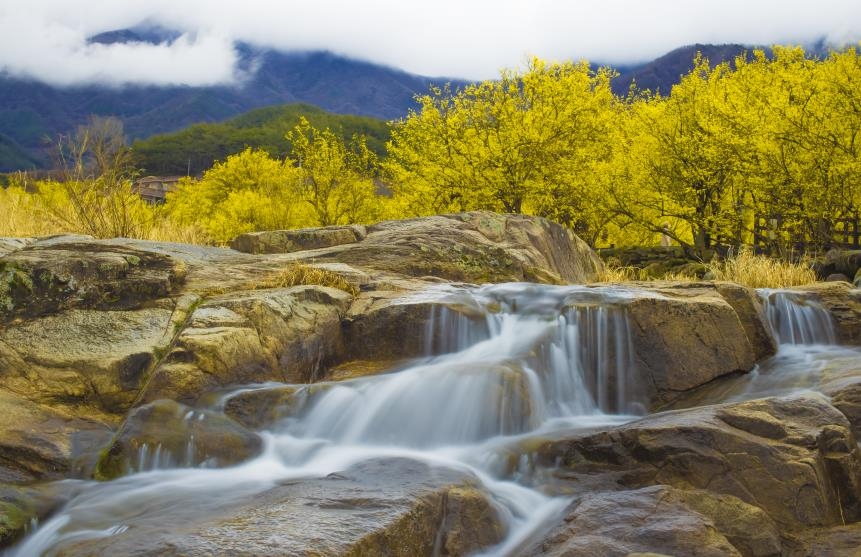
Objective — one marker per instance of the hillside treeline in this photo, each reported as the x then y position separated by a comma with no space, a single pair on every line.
768,139
197,148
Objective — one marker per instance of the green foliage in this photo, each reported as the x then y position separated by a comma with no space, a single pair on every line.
764,135
335,180
532,141
246,192
196,148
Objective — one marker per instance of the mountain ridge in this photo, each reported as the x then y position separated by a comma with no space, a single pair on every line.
33,113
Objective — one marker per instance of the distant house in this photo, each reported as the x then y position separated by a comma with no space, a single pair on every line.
153,189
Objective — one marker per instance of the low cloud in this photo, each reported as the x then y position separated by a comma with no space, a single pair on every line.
58,52
47,39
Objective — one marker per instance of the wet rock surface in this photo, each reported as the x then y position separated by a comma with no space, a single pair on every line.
660,520
166,434
789,465
843,302
392,507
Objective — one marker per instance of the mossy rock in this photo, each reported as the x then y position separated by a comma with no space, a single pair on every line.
15,518
165,434
44,279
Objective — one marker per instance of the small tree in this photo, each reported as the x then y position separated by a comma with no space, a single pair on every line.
247,191
96,184
335,179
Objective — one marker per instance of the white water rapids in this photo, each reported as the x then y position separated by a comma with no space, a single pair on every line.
514,362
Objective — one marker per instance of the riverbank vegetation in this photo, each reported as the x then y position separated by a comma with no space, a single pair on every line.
763,150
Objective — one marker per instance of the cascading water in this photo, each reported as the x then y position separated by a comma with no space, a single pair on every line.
796,319
504,362
806,347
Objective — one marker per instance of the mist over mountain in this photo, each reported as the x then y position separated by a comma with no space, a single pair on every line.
33,113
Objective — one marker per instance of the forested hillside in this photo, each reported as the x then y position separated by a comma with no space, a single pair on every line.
196,148
33,114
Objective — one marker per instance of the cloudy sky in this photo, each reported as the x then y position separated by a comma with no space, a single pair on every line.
47,39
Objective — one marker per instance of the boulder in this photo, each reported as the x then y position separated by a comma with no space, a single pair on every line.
166,434
391,325
259,408
749,309
8,245
47,277
282,334
795,458
682,343
845,393
394,507
686,334
660,520
472,247
838,261
42,443
86,357
287,241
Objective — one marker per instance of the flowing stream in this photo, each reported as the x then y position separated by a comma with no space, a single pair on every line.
504,364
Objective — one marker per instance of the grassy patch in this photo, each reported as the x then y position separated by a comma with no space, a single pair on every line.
295,274
759,271
743,267
299,274
628,273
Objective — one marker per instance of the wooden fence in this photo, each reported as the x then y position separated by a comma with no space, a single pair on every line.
772,236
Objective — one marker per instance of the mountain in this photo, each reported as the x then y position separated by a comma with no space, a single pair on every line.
195,148
661,74
32,113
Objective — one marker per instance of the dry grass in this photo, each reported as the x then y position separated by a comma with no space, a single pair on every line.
300,274
755,271
618,273
168,231
24,216
621,273
759,271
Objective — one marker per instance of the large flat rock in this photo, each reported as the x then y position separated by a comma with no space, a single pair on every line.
394,507
41,443
660,520
471,247
87,357
281,334
795,458
50,276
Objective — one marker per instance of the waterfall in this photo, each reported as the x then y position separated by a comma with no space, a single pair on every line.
534,355
794,318
502,363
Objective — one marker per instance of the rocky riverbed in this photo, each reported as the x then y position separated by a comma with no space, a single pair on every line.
165,399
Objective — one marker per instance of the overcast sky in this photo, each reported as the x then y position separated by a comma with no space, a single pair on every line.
47,39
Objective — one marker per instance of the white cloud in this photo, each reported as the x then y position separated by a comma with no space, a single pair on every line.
46,39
